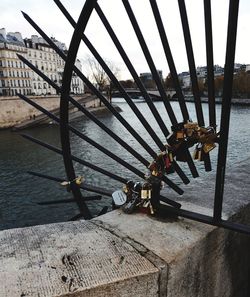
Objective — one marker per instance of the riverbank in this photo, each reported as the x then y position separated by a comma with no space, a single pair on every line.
15,112
218,100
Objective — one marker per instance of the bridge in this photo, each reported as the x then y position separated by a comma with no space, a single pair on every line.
154,94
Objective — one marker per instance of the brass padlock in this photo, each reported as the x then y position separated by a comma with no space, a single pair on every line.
180,135
208,147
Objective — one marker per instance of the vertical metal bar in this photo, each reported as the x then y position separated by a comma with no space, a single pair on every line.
210,63
170,59
193,75
226,107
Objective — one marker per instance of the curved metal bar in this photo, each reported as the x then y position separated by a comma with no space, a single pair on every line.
64,103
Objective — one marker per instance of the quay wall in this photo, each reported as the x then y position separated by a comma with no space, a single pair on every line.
120,255
14,111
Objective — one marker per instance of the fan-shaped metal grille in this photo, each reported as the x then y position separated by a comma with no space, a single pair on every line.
185,134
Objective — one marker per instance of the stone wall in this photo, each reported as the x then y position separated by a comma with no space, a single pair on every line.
14,111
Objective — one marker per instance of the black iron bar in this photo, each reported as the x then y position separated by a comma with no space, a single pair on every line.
144,92
226,107
210,63
170,60
150,62
132,71
206,219
114,80
62,201
132,131
84,137
157,81
84,186
76,159
101,125
193,75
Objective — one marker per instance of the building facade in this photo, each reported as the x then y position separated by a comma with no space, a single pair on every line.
14,74
15,77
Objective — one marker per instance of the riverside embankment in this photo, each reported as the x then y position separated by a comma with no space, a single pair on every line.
15,112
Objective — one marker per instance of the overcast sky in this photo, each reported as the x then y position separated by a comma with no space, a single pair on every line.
51,20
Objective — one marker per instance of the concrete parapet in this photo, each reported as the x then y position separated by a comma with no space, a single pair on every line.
131,255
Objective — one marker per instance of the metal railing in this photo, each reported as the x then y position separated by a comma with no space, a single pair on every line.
179,148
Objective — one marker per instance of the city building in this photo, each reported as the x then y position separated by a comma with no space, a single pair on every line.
14,74
147,79
15,77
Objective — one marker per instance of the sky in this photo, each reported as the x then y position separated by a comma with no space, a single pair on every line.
46,14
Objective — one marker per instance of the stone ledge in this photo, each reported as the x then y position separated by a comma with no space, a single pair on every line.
121,255
76,258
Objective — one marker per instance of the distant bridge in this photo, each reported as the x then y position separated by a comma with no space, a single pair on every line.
154,94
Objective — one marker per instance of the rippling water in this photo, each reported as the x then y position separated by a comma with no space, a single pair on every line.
20,192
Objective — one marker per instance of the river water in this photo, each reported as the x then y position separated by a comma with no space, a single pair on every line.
20,192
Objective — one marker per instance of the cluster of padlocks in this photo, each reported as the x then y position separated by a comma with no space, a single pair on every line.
145,196
189,134
138,196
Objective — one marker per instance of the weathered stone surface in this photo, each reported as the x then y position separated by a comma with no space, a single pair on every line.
79,258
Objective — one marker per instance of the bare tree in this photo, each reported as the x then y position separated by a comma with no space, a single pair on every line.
96,73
